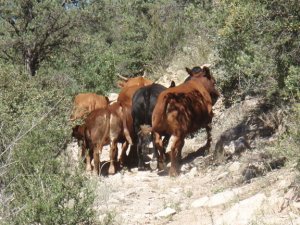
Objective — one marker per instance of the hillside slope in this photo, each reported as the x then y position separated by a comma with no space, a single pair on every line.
242,184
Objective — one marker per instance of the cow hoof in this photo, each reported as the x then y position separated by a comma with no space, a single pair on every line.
173,172
111,170
141,168
153,164
94,173
88,168
161,166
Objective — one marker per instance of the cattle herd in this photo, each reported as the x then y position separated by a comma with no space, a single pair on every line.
145,112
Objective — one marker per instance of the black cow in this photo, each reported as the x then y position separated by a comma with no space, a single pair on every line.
143,103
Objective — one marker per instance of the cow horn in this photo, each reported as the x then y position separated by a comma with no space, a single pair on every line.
122,77
205,65
144,74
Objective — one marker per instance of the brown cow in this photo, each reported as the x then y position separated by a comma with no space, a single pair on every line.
125,100
128,82
183,110
78,133
100,127
116,135
85,103
94,133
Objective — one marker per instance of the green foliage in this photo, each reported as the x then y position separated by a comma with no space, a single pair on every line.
288,144
254,45
136,33
36,188
33,31
292,82
258,44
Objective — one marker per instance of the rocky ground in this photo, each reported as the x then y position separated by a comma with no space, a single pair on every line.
243,184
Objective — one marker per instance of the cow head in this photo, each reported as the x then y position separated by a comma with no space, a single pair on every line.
78,132
145,137
203,75
129,82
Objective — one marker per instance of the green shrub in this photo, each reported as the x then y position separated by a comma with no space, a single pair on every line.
289,141
257,46
35,186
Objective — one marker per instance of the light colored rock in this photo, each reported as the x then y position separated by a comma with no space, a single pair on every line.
234,167
296,205
221,198
200,202
229,149
166,212
217,199
185,167
243,212
176,190
193,172
220,176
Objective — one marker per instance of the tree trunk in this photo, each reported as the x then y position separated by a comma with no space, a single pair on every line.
31,63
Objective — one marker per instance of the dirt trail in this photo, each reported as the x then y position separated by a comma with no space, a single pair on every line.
209,192
211,196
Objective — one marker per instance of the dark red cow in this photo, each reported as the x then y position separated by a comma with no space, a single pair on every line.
116,135
134,81
102,127
183,110
94,134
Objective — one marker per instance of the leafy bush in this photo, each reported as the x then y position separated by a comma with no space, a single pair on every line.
289,141
257,44
35,187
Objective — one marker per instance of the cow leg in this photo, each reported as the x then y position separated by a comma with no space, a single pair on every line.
165,144
97,153
125,120
83,150
208,132
112,156
89,158
154,160
123,153
158,147
139,147
175,155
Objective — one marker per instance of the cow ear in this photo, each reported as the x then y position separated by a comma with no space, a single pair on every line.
172,84
189,71
107,99
207,72
120,84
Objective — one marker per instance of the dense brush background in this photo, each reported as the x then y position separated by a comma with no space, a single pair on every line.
51,51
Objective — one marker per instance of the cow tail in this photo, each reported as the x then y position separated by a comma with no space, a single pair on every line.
167,102
146,106
125,127
106,132
160,111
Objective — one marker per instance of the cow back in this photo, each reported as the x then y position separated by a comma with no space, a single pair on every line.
97,126
187,107
85,103
116,124
135,81
143,103
125,96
